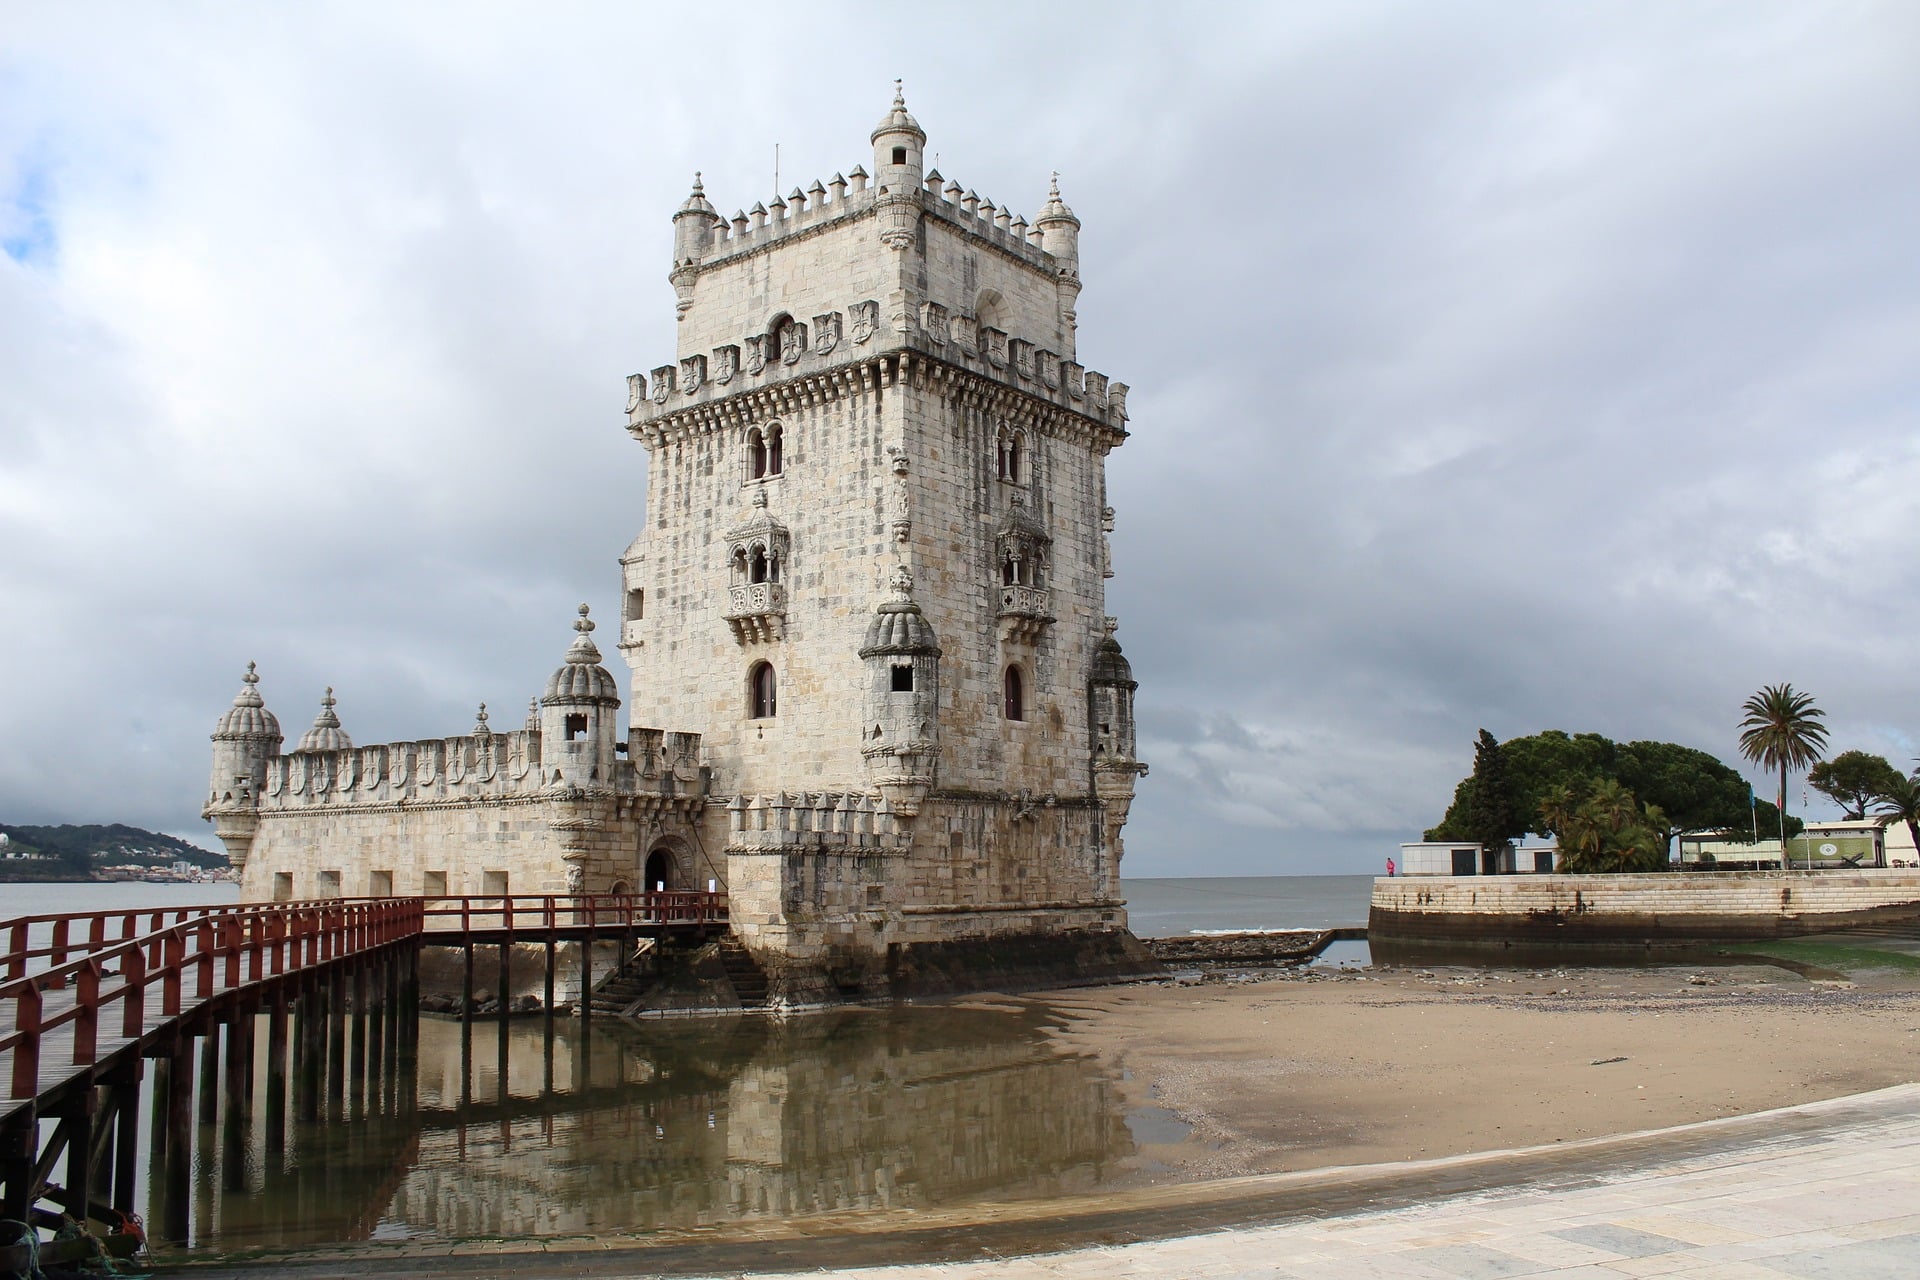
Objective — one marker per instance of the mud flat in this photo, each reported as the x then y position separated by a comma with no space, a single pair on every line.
1306,1068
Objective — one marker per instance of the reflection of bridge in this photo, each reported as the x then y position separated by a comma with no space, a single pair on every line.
94,997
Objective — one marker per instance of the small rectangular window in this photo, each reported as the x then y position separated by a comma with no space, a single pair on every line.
899,155
576,726
903,677
283,886
636,604
380,884
493,883
433,884
327,884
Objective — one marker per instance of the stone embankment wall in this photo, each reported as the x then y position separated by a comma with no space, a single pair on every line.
1670,908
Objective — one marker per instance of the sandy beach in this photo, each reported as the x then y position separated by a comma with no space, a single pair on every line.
1316,1069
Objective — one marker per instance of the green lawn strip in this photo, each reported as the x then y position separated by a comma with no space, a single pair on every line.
1836,956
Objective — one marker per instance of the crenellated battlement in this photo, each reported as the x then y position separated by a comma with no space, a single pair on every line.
836,341
830,822
466,767
821,205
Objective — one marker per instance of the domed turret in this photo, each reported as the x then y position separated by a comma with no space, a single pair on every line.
693,226
326,734
577,718
1060,236
900,738
248,717
1110,704
246,738
899,147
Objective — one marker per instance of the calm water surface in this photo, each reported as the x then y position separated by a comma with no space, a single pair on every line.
525,1129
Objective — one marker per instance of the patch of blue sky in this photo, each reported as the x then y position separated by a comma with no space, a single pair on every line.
26,226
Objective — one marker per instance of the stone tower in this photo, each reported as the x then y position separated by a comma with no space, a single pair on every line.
872,577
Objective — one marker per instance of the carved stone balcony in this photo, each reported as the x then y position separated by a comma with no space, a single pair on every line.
1025,612
757,611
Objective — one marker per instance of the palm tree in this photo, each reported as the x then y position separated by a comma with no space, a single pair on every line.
1782,730
1899,801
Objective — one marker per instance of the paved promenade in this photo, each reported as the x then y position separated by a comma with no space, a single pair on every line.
1843,1204
1829,1189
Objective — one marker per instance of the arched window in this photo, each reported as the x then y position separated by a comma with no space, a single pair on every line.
1013,702
761,700
775,435
756,455
1001,455
757,565
1017,457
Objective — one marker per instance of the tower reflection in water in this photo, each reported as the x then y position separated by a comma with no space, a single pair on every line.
536,1128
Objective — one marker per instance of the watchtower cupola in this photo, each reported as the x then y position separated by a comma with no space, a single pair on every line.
899,144
577,720
900,738
693,228
247,736
326,734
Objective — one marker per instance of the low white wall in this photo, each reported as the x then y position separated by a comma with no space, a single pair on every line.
1606,907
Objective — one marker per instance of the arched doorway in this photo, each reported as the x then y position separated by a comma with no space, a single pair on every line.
660,872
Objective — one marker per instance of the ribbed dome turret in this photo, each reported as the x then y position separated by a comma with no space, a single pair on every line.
326,734
899,119
697,201
898,625
1055,209
1110,666
582,678
248,717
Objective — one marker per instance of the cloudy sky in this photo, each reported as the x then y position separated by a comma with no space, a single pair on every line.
1516,365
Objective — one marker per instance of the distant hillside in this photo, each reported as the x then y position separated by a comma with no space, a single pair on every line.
77,850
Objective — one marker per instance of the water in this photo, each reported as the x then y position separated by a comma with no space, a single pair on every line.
525,1129
1163,908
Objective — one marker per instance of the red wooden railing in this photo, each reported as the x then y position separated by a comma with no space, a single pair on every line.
535,913
202,951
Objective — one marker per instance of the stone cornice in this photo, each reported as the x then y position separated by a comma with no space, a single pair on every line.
865,375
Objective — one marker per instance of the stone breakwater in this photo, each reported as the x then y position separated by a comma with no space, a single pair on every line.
1278,947
1655,909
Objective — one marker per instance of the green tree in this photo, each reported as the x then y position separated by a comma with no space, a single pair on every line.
1492,818
1900,802
1782,730
1693,790
1853,780
1606,829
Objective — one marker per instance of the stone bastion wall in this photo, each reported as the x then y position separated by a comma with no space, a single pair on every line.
1661,908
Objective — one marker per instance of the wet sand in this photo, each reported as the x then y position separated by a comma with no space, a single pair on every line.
1314,1069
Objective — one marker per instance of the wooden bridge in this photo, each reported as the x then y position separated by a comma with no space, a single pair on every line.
94,997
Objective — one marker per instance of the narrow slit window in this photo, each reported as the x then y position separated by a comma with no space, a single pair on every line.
1013,695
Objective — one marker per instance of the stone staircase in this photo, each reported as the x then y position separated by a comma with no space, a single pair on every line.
627,986
744,972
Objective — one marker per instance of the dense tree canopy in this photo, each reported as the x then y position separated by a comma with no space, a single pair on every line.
1853,780
1667,789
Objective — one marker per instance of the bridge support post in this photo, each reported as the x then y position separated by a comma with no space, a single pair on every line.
17,1141
358,1071
176,1196
209,1078
237,1122
126,1135
277,1072
336,997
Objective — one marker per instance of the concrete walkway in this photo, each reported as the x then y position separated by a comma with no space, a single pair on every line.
1842,1201
1827,1189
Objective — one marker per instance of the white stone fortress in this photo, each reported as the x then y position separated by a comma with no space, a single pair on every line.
869,595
